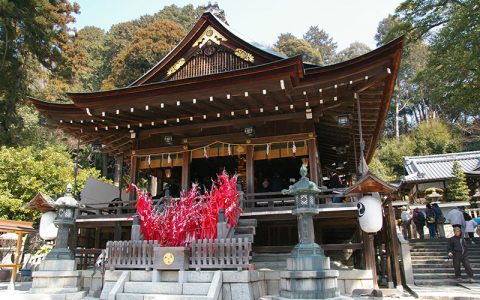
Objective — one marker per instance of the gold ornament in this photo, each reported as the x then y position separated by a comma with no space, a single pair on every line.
168,258
209,36
244,55
176,66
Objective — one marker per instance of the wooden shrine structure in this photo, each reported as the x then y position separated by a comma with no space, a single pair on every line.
219,101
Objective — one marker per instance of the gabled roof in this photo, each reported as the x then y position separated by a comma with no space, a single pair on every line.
208,30
371,184
439,166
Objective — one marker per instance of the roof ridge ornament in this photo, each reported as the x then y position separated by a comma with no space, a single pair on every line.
209,35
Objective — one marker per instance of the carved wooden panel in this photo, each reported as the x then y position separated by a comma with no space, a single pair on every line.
210,59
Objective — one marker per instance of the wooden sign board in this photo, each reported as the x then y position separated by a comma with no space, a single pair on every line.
171,258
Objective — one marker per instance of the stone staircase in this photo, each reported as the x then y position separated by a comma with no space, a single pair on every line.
245,228
171,285
431,266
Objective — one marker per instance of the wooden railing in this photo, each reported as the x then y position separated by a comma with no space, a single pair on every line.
220,253
130,254
204,254
474,212
86,258
274,201
253,202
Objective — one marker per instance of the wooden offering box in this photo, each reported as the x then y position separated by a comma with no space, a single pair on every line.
171,258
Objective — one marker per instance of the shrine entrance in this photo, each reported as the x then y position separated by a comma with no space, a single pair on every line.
204,170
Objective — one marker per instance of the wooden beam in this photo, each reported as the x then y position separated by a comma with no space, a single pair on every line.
369,254
250,170
313,160
186,170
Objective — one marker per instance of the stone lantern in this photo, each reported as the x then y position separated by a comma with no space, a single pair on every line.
65,207
308,274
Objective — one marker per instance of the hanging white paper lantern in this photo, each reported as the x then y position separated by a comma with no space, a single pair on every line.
48,230
370,214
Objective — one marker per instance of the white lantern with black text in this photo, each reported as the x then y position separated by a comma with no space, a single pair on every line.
370,214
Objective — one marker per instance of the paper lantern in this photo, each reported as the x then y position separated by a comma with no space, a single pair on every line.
48,230
370,214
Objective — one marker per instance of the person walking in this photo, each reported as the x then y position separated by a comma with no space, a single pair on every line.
456,219
406,221
431,221
440,220
419,221
458,251
470,227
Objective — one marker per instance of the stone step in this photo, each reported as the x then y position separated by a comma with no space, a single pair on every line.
57,296
247,222
436,282
171,288
441,255
244,235
448,275
128,296
430,252
438,260
245,229
263,257
137,287
441,265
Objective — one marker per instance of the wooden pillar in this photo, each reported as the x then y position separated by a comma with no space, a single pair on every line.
117,174
250,171
97,237
18,253
369,254
117,232
104,164
394,244
186,170
312,160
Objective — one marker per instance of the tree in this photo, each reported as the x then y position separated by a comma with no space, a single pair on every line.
149,45
28,170
353,50
324,44
433,137
452,72
32,33
290,45
457,187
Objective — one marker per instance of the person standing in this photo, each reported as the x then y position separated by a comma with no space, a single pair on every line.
431,221
406,221
458,251
419,221
456,219
440,220
470,227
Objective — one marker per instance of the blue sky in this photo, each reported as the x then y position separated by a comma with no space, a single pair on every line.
260,20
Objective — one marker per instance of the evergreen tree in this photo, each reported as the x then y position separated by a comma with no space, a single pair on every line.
458,189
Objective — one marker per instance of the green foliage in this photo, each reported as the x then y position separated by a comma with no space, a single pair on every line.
324,44
289,45
32,33
452,72
26,171
457,187
433,137
148,46
353,50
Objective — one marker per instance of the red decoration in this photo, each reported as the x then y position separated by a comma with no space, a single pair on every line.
191,217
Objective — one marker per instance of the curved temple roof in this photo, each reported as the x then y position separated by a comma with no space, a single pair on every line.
171,97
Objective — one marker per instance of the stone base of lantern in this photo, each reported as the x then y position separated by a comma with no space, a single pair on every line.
309,284
59,279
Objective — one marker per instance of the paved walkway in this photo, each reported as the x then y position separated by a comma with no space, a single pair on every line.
462,291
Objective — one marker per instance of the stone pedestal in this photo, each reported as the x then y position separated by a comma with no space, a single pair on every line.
309,284
58,278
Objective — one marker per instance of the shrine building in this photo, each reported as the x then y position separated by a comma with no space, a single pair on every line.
218,101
